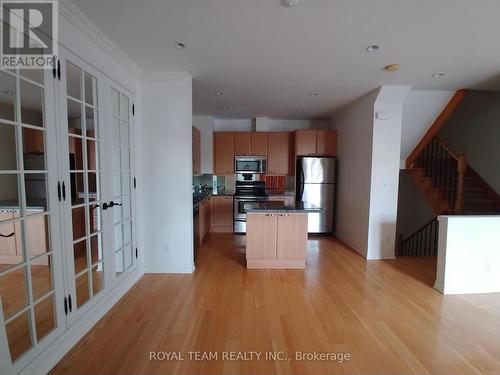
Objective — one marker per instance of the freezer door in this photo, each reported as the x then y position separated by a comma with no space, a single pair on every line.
323,196
317,170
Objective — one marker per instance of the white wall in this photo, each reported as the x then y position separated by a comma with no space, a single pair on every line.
386,151
369,151
167,165
475,128
420,109
232,124
206,126
468,255
354,147
264,124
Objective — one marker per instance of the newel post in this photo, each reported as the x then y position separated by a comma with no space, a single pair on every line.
462,169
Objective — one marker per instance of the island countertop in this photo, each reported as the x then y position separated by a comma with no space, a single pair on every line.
283,206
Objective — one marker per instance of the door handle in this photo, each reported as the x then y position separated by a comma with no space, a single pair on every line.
111,204
7,235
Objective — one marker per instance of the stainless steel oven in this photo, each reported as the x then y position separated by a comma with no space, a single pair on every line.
250,164
249,192
241,204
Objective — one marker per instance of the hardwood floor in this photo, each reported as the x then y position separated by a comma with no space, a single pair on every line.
385,314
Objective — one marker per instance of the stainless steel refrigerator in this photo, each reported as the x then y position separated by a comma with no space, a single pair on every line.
316,178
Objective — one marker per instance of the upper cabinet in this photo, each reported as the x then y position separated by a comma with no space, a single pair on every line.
316,143
259,143
305,142
196,151
242,143
279,153
250,143
223,153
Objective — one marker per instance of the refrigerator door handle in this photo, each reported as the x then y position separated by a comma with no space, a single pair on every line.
302,179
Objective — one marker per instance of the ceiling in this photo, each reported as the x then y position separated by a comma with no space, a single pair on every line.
267,59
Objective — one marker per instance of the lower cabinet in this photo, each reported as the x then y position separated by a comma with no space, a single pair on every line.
276,240
261,236
222,214
204,221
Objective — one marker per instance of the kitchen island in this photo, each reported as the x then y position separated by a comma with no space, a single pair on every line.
277,235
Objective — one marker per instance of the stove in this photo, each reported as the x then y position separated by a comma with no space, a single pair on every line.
248,193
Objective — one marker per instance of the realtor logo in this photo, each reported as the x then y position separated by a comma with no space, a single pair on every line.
29,34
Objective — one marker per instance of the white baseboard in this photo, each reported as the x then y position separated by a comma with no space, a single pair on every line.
156,269
69,338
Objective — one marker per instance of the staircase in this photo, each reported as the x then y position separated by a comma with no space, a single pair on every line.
449,184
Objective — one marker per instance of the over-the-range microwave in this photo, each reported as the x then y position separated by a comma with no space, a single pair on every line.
250,164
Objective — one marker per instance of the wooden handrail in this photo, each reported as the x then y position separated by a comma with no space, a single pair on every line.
448,150
436,126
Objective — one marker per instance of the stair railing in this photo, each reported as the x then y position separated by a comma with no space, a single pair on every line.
446,171
424,242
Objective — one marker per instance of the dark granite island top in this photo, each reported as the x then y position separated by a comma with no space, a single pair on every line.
282,206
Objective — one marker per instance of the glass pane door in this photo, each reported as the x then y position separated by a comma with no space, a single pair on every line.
30,253
83,168
122,180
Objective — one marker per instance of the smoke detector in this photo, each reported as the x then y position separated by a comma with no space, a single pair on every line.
289,3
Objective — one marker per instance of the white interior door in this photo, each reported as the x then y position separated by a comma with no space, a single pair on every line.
31,276
121,146
83,167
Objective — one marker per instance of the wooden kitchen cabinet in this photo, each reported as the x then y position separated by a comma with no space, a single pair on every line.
291,236
8,246
222,214
279,153
261,236
204,218
223,153
276,240
196,151
242,143
305,142
316,143
259,143
33,141
326,143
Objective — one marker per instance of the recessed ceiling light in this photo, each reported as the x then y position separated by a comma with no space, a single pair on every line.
300,110
438,75
373,48
180,45
289,3
219,93
392,68
314,94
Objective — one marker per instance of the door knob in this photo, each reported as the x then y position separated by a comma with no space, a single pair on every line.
111,204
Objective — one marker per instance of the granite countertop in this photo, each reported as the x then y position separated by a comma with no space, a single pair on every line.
279,193
33,204
293,207
200,195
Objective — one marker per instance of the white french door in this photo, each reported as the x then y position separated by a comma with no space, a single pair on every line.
31,273
99,208
83,164
67,201
122,170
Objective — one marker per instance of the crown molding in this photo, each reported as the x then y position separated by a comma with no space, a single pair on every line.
73,15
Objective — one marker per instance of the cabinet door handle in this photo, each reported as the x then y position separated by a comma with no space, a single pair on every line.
7,235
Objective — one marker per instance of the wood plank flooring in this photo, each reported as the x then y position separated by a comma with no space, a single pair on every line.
385,314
